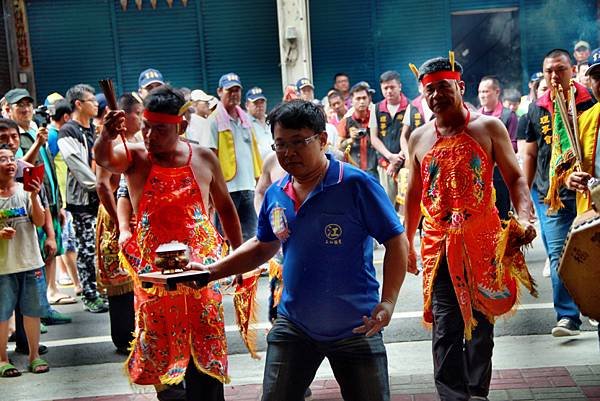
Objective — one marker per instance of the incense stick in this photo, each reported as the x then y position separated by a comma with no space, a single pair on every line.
111,100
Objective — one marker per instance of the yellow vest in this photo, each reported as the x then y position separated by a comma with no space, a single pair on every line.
588,137
226,154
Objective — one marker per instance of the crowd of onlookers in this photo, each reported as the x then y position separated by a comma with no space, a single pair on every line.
59,132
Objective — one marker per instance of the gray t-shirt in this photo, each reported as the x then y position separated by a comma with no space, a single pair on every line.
22,253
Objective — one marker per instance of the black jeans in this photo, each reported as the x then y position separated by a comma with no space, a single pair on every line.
359,364
244,204
502,195
461,368
122,319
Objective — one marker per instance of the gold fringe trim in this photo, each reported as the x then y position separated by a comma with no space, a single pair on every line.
121,289
248,334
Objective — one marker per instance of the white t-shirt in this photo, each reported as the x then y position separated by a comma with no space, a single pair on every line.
373,117
198,130
263,137
22,253
426,110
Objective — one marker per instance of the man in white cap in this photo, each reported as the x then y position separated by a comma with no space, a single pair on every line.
198,129
581,52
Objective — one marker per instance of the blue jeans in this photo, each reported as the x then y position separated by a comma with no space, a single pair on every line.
556,227
359,364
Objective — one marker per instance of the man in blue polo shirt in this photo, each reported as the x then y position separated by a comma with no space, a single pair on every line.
324,214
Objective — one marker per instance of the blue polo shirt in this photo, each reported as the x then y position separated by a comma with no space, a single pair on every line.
329,280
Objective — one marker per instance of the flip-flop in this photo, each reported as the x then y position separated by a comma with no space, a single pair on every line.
9,370
62,299
38,366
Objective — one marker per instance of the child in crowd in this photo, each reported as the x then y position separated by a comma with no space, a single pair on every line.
20,261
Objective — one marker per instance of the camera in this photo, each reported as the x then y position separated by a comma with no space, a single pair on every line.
361,132
42,115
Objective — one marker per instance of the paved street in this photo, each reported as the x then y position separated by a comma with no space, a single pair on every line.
84,364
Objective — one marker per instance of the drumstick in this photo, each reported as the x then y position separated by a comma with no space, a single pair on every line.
109,92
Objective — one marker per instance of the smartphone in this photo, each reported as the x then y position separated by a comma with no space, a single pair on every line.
32,173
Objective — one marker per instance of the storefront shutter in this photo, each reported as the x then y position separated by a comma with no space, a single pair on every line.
71,43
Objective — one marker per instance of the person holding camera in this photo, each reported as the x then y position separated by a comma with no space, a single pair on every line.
353,131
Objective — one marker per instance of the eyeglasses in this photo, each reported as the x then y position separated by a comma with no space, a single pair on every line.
294,145
89,100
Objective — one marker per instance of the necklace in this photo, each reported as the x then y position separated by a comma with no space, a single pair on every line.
319,178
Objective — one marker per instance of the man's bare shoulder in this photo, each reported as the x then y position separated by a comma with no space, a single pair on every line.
487,124
203,152
423,131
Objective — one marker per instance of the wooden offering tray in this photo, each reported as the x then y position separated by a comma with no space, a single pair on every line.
170,281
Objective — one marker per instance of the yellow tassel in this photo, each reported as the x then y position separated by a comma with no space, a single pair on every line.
184,108
451,57
348,157
414,70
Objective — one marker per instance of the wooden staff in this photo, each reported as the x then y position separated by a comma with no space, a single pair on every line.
564,113
111,100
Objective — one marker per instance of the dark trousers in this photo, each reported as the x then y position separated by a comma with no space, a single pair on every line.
502,195
461,368
122,319
359,364
202,387
244,204
198,387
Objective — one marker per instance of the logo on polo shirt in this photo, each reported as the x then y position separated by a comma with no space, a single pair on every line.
333,234
279,223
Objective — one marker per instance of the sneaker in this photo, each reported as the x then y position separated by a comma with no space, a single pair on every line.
593,322
43,328
55,317
546,271
564,328
94,305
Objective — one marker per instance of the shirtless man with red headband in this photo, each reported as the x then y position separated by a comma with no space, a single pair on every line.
468,278
179,334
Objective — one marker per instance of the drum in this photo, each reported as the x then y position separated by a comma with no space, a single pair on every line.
580,263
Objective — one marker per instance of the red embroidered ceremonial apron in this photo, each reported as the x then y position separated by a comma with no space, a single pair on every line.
461,223
172,326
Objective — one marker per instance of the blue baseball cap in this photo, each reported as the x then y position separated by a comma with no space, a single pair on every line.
150,76
255,94
230,80
536,76
101,99
593,61
302,82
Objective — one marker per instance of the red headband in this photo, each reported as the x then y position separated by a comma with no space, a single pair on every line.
439,75
162,118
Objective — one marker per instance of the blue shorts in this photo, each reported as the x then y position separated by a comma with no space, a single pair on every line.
21,288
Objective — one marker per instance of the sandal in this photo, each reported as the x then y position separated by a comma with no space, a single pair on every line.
9,370
38,365
62,299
